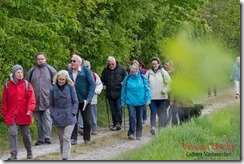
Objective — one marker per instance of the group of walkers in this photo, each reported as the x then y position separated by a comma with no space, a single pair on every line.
68,100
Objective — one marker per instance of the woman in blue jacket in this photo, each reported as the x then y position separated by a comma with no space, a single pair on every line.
136,94
63,108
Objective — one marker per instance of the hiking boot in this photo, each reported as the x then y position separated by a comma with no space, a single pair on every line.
237,96
153,131
118,127
94,132
39,143
80,131
138,138
113,128
29,155
64,159
144,122
130,137
12,157
73,142
87,142
47,140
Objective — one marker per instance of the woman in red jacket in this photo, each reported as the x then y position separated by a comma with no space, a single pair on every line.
18,103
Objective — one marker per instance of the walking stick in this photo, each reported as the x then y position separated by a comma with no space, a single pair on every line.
109,126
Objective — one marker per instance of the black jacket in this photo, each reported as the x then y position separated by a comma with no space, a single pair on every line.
113,79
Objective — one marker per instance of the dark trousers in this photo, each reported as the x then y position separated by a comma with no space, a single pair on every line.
116,109
86,123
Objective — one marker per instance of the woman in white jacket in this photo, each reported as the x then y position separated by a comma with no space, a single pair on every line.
159,81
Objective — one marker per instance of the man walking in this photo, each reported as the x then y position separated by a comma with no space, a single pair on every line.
40,76
112,78
85,88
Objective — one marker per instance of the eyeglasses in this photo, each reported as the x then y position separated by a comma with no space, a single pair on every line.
61,79
111,64
72,61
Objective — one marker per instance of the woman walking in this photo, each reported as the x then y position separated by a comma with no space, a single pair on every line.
136,94
63,108
18,103
159,81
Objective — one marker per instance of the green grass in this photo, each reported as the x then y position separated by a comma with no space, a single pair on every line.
221,127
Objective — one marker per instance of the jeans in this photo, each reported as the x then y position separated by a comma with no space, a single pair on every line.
86,122
25,130
44,124
144,113
64,134
116,109
93,117
159,108
135,120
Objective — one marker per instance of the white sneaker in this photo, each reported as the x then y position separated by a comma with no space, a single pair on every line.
130,137
153,131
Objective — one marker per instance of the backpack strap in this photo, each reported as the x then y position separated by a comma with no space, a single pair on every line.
160,72
94,76
52,89
49,69
26,86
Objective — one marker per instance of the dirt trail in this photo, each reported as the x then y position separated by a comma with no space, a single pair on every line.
112,150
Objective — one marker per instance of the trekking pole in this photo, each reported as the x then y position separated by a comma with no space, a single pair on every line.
107,111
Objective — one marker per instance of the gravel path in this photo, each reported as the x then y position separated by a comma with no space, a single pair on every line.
110,151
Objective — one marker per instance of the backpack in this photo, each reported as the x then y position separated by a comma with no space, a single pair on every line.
26,86
161,73
52,89
49,69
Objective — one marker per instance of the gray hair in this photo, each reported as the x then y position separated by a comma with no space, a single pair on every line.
63,72
135,67
78,57
111,58
87,64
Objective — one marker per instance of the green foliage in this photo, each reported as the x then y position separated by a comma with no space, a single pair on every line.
223,17
199,62
96,29
172,143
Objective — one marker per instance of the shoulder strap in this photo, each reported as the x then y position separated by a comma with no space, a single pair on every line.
31,73
70,89
49,69
6,85
26,85
94,76
52,90
162,75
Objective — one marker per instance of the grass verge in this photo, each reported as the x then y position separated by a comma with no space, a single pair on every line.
212,137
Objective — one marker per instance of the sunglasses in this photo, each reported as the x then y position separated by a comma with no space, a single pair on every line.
72,61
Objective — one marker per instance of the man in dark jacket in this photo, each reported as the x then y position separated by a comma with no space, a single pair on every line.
112,78
85,88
